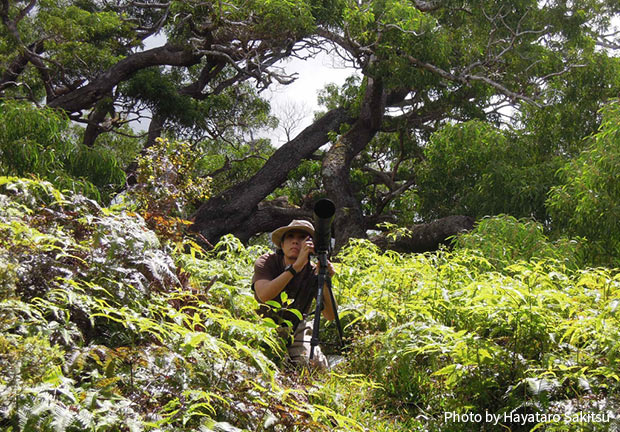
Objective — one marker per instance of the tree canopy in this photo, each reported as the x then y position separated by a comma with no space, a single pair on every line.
509,88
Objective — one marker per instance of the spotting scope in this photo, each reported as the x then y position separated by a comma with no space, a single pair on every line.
324,211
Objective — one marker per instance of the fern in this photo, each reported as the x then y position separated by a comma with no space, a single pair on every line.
105,327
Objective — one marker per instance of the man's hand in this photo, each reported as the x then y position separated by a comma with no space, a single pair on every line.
330,268
307,248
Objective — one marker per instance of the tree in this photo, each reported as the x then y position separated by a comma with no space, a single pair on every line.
587,202
290,116
429,64
423,65
40,142
85,56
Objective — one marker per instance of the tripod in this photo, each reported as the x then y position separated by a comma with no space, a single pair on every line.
322,280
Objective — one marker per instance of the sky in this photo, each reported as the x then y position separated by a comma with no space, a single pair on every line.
312,75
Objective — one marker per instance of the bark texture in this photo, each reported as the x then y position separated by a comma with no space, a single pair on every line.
269,216
85,97
349,220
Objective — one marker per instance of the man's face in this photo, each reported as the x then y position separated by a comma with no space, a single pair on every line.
292,243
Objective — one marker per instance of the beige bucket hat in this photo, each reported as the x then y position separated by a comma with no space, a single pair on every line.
296,225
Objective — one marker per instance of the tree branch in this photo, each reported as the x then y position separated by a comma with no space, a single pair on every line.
268,216
17,66
425,237
464,79
381,177
222,214
86,96
427,6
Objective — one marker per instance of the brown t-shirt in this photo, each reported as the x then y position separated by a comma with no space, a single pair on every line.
302,288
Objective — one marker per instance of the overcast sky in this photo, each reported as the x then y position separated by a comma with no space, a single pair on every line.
313,75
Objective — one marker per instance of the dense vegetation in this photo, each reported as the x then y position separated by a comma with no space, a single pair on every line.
125,300
108,326
113,319
464,107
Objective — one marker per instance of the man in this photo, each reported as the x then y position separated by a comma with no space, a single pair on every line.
290,270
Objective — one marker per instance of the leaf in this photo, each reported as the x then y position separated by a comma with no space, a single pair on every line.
540,385
273,304
270,323
296,313
446,370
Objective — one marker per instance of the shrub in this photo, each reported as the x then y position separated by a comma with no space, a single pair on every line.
504,240
104,328
37,141
587,201
476,170
481,330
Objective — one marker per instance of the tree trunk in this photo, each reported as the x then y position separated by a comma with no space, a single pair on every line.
426,237
234,209
349,220
269,216
155,128
95,118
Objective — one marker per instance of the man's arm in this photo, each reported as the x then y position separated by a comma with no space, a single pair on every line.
269,289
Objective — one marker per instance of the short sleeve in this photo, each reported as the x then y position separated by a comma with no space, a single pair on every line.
263,269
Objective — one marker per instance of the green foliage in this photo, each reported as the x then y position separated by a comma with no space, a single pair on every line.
168,179
283,16
121,146
503,240
227,115
479,330
478,170
587,201
302,183
104,329
270,19
36,141
454,62
573,109
234,164
82,40
348,95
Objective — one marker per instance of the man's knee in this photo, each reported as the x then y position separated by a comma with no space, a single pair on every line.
300,349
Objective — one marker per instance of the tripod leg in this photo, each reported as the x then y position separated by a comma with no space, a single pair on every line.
314,341
335,307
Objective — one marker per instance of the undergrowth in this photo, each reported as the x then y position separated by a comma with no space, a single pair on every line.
504,332
107,326
104,327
